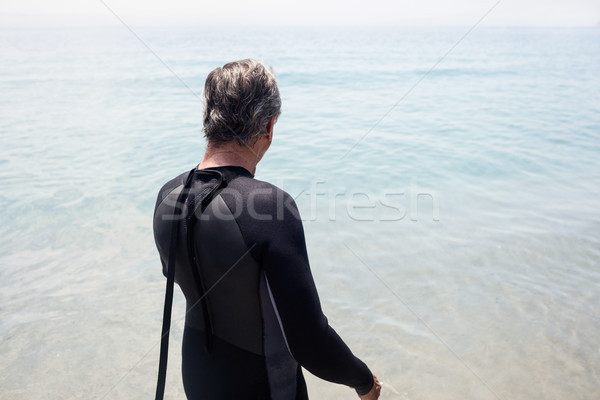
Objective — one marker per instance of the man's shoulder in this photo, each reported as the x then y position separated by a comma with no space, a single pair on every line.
170,186
261,199
174,183
259,190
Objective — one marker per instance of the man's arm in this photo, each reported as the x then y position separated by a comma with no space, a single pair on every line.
313,343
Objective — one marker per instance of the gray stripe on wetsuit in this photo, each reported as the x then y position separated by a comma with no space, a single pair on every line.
281,366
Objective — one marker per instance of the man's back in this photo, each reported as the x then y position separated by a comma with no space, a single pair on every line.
253,313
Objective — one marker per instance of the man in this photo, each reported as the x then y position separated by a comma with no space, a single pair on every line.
253,313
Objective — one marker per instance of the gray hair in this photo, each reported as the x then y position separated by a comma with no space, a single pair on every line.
239,100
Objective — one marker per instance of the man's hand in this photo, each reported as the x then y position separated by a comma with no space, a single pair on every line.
375,391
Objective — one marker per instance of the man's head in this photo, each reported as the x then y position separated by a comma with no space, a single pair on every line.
240,99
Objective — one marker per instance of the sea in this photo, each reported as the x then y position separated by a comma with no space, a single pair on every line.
448,180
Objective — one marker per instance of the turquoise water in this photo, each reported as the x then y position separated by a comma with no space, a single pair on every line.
451,214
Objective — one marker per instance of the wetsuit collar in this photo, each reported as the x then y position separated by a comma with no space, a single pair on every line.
233,169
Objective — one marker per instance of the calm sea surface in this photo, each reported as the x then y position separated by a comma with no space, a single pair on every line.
452,214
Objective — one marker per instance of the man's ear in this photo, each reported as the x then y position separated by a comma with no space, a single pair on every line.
270,126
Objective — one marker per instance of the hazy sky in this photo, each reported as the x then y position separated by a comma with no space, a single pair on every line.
300,12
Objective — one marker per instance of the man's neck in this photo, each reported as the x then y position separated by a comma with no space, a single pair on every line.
230,154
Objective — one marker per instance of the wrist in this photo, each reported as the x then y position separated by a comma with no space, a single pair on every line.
364,389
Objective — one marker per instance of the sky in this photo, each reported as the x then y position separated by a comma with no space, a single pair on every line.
54,13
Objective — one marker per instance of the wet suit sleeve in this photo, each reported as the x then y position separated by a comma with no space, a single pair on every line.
312,342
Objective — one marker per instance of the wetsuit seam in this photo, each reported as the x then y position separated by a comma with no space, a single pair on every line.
165,197
240,229
276,310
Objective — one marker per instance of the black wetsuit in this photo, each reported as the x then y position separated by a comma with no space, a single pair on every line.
260,318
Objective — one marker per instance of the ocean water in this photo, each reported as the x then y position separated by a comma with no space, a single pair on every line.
450,190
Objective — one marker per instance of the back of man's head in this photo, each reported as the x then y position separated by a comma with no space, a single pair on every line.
239,99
